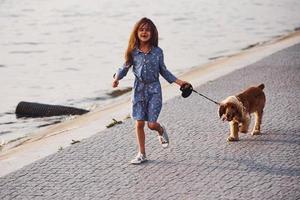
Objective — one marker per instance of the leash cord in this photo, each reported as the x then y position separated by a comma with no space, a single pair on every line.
206,97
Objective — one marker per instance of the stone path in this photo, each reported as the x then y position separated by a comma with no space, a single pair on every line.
199,164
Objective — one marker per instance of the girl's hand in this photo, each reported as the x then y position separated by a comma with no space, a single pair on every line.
115,83
180,82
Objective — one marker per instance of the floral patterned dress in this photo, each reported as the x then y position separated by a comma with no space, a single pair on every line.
147,95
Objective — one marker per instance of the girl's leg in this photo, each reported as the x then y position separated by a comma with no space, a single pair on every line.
156,127
163,136
140,135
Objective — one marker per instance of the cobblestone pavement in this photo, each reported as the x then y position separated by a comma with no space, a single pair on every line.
199,164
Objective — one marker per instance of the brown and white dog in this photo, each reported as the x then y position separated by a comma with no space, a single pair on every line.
237,111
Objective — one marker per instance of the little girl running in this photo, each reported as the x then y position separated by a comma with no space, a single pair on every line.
147,62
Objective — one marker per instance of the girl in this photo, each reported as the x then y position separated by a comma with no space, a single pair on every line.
147,62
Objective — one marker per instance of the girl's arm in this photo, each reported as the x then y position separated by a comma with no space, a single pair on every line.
163,69
121,73
167,74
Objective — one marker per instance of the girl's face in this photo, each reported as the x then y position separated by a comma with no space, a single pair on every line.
144,33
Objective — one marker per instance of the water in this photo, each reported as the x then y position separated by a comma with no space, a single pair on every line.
65,51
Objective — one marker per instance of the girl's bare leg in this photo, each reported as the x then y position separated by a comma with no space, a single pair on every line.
155,127
140,135
163,136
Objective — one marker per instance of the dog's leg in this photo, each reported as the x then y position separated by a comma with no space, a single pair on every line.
258,119
234,131
244,127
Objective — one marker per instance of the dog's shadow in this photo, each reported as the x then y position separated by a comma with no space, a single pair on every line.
238,164
276,136
251,166
269,137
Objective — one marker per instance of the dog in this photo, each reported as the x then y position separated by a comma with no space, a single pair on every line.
237,111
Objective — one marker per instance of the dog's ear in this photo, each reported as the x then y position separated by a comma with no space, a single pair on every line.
221,110
238,112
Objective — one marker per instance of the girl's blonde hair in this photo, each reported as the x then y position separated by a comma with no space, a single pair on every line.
134,40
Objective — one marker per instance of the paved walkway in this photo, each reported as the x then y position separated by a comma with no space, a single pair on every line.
199,164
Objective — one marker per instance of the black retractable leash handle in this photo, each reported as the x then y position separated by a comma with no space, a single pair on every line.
187,90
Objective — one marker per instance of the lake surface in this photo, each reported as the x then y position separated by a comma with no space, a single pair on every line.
65,51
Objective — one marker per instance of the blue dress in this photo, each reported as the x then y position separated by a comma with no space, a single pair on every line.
147,96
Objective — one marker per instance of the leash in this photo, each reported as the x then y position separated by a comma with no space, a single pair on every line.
206,97
187,89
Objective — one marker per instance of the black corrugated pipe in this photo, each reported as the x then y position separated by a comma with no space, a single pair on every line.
31,109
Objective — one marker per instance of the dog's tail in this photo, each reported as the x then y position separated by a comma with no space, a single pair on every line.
261,86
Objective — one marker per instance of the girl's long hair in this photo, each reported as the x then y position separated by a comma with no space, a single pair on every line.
134,40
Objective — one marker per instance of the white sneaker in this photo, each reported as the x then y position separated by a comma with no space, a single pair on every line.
164,139
140,158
